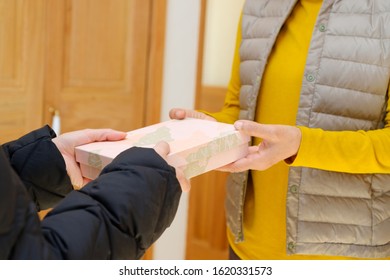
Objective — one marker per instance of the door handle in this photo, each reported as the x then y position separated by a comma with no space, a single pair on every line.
56,120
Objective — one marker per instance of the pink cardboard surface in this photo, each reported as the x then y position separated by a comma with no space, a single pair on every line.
197,146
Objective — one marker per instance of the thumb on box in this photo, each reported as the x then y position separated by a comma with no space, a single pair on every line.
163,149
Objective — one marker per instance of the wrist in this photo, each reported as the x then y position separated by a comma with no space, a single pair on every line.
296,143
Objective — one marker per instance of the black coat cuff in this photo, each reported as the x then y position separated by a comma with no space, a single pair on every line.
41,167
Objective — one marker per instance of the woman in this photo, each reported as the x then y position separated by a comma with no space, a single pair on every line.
310,83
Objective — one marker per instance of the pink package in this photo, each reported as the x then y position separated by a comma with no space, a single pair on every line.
196,146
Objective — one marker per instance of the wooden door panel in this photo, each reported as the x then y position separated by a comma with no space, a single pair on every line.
206,233
21,40
95,46
96,76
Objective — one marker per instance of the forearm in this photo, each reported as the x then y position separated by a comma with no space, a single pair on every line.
345,151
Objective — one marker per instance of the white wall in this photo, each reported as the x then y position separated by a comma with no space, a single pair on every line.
180,63
179,82
181,51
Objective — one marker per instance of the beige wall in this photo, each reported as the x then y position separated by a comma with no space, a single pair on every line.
220,34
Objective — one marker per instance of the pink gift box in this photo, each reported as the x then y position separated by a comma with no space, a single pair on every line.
196,146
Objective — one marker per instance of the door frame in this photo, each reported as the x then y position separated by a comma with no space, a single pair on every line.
156,62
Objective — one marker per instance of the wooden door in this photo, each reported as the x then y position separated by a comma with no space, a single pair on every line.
97,62
21,68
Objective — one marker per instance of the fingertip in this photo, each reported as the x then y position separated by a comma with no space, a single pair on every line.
163,144
185,185
177,113
172,113
162,148
238,125
180,114
104,134
118,135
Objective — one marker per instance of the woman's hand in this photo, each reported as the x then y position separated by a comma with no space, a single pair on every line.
163,149
279,142
68,141
180,114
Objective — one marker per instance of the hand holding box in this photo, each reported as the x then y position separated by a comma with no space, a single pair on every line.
196,146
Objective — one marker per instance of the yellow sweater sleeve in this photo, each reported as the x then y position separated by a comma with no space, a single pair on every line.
231,108
346,151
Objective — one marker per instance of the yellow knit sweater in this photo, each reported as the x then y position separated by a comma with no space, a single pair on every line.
355,152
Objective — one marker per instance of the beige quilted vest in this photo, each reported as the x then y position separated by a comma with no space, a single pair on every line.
344,88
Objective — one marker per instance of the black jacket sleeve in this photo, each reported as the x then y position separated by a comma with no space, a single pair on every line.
117,216
40,166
